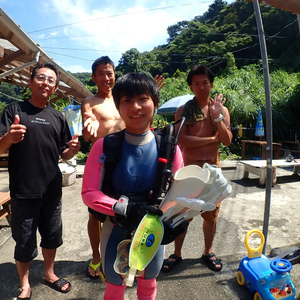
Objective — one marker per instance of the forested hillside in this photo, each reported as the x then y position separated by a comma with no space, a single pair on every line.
224,38
222,35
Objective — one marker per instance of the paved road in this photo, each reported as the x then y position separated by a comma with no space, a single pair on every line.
242,211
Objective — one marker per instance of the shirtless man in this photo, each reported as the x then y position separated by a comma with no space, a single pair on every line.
207,123
100,117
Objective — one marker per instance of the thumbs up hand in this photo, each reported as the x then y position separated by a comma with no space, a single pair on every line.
16,131
17,119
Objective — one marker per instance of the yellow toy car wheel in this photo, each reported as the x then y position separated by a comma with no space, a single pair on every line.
240,278
257,296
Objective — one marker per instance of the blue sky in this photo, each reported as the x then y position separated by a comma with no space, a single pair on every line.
76,32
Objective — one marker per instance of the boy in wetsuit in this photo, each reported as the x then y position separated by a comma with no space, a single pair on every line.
136,97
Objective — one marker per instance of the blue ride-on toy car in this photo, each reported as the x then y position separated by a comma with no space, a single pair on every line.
266,280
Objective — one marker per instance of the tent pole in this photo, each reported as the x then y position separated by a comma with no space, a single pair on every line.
263,50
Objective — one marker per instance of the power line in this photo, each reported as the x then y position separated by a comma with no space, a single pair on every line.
207,33
78,49
110,51
118,15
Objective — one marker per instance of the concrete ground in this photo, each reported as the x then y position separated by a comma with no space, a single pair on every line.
241,211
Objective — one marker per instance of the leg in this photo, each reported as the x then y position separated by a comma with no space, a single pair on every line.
146,289
94,236
246,172
174,259
114,292
23,227
209,229
179,243
208,256
49,256
23,272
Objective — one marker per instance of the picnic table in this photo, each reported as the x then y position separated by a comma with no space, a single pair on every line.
259,168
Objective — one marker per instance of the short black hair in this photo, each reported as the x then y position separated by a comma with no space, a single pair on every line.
132,84
48,65
103,60
200,70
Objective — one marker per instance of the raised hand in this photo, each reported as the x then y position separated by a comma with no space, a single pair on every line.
91,124
216,106
160,81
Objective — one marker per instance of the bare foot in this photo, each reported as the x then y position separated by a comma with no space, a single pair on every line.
25,293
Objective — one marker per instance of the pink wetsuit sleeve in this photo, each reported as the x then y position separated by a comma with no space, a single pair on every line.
178,160
91,195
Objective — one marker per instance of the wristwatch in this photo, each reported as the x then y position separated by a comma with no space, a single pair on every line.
221,117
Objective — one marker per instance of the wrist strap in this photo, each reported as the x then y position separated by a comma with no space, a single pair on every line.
221,117
120,207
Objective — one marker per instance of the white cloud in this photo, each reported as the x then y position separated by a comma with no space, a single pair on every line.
136,26
76,68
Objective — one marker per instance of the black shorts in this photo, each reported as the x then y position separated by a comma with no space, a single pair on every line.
28,215
100,217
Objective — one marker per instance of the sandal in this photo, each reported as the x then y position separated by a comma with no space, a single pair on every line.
95,267
212,261
26,298
170,265
58,285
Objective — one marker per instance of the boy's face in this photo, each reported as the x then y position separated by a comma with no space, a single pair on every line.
104,78
201,86
137,112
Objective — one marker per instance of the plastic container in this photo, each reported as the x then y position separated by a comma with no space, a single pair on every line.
68,174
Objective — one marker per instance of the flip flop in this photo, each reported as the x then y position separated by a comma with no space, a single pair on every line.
170,265
58,285
95,267
212,263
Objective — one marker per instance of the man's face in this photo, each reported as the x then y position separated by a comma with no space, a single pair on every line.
104,78
43,84
201,86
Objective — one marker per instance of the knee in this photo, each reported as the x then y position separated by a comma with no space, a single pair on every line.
114,292
146,289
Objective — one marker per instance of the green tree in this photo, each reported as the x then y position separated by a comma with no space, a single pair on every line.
129,62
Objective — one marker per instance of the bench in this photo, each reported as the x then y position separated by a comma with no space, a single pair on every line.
290,147
259,168
263,144
5,204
